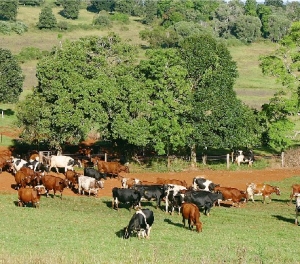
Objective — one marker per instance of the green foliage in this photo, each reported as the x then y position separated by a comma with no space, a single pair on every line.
11,78
71,8
247,28
47,19
8,10
119,17
31,2
250,8
29,53
106,5
150,11
63,25
277,3
102,19
7,27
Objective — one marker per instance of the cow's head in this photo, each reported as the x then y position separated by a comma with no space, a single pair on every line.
276,190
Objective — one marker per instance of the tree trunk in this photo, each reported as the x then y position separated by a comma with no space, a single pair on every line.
193,156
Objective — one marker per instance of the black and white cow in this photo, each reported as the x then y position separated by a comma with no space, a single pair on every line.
140,223
152,192
172,197
17,164
120,195
203,199
91,172
200,183
65,162
297,209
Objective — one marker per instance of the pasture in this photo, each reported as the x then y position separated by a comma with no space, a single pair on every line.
88,230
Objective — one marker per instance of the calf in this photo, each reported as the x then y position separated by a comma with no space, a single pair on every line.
72,178
232,194
200,183
261,189
131,196
29,195
191,212
203,199
54,183
141,222
88,184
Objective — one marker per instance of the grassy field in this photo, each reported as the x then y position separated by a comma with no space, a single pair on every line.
88,230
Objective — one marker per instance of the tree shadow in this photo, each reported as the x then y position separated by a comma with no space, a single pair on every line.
7,112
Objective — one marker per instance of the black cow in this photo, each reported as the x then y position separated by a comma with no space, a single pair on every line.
149,192
203,184
141,223
91,172
120,195
203,199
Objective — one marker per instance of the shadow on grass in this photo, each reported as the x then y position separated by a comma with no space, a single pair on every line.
7,112
170,222
285,219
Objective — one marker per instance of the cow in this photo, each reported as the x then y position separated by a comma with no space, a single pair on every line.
297,209
120,195
22,180
57,184
89,185
200,183
17,164
91,172
141,222
151,192
129,182
232,194
261,189
171,181
203,199
191,212
72,177
29,195
5,163
112,168
65,162
295,191
244,158
171,193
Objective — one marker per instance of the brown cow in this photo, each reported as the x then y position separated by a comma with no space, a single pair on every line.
29,195
54,183
72,178
171,181
22,180
113,168
5,163
261,189
295,191
232,194
191,212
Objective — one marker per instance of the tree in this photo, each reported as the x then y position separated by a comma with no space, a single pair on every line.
107,5
150,11
263,13
8,10
47,19
218,118
31,2
11,78
250,7
278,27
71,8
277,3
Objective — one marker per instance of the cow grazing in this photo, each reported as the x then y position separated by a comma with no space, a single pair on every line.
203,199
295,191
151,192
200,183
72,178
89,185
128,183
91,172
141,223
57,184
29,195
171,181
297,209
111,168
120,195
191,212
65,162
232,194
265,190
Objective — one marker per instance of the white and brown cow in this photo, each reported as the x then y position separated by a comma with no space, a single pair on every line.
200,183
265,190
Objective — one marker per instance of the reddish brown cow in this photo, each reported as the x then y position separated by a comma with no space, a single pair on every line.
171,181
261,189
4,163
295,191
35,176
21,180
232,194
113,168
191,212
29,195
72,178
54,183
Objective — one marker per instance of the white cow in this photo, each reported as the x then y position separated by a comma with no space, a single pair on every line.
17,164
89,185
61,162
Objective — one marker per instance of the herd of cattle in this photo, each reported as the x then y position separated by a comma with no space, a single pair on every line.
33,178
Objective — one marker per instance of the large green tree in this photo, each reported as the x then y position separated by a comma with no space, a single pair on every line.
9,10
11,77
47,19
71,8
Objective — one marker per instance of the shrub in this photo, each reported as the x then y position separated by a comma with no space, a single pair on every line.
5,27
102,19
29,53
63,25
19,27
123,18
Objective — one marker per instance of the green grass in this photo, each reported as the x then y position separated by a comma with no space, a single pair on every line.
87,230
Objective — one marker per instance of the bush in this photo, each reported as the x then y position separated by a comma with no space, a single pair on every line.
19,27
63,25
5,27
102,19
123,18
29,53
